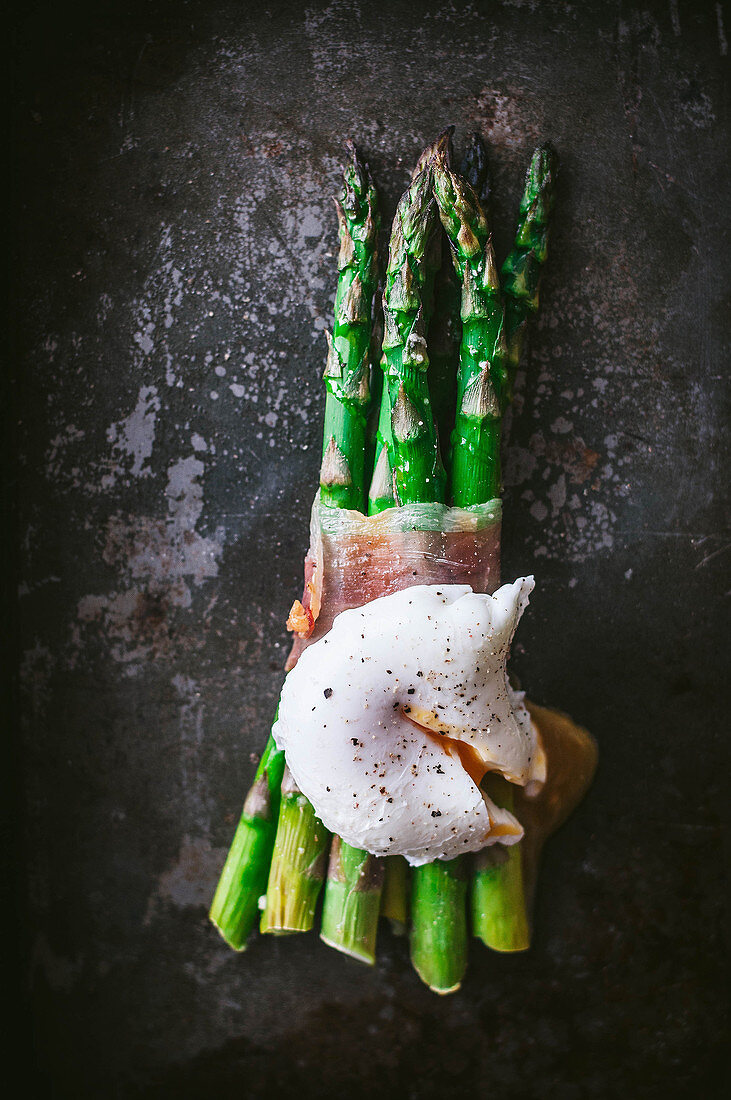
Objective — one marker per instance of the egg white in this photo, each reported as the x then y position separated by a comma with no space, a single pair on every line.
370,715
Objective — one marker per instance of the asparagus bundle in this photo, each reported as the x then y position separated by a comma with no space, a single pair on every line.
408,468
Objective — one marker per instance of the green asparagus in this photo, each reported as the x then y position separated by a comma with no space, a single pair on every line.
298,864
446,325
498,903
439,930
438,939
352,901
475,466
409,466
439,924
355,878
499,912
235,906
347,371
521,271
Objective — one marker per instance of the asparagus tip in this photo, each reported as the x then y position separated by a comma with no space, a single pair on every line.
444,141
543,168
441,147
476,169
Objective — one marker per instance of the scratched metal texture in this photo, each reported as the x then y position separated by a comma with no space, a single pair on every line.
174,274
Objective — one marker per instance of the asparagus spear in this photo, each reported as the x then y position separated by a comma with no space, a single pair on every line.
235,905
348,362
342,484
439,924
298,864
475,466
352,901
499,911
438,947
293,887
439,932
522,269
409,466
421,261
498,903
413,260
355,878
446,325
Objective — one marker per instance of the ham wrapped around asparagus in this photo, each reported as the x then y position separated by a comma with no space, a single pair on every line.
402,734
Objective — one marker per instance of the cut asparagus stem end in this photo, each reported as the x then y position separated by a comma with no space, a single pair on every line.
439,924
352,901
499,914
235,906
298,864
499,917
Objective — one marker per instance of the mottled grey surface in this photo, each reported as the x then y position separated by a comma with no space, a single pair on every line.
176,234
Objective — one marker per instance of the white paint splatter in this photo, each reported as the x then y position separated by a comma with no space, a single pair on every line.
134,435
155,559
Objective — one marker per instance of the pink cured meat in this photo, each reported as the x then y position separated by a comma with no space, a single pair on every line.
354,559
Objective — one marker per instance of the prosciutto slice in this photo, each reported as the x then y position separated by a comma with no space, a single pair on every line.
354,559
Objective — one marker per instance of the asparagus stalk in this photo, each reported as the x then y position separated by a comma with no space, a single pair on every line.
446,325
414,257
522,269
438,940
412,263
298,863
342,478
439,924
235,906
499,908
292,890
409,466
352,901
475,466
355,878
439,936
499,911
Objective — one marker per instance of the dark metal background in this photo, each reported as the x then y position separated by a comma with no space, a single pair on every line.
175,272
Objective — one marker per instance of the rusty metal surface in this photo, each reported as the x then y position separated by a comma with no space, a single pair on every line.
175,274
